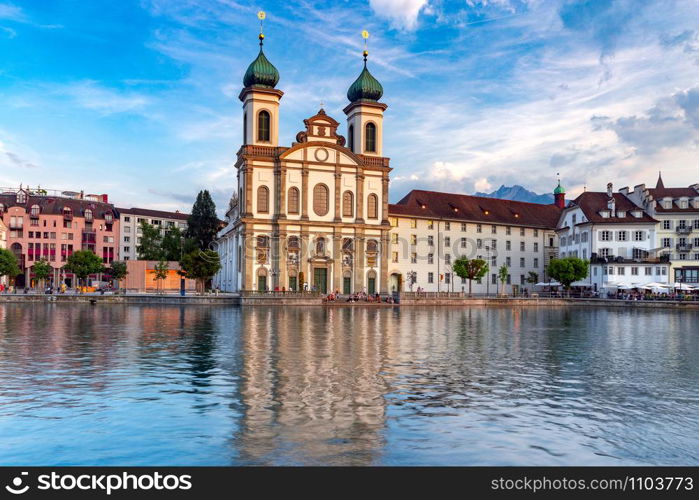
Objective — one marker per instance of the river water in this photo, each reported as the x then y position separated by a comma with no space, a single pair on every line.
161,385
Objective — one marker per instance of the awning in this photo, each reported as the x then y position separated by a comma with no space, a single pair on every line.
548,283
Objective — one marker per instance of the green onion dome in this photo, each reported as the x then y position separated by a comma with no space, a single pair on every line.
559,189
365,87
261,72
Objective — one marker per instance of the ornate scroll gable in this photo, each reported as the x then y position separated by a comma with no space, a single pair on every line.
320,127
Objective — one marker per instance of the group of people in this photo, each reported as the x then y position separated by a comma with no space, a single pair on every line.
358,297
634,295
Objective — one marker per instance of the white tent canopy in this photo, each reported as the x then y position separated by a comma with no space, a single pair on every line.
548,283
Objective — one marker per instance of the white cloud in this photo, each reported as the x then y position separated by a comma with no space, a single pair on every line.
402,13
91,95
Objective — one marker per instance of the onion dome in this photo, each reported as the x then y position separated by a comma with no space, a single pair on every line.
365,87
559,189
261,72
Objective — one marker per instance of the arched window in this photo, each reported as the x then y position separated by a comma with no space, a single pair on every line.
370,139
320,199
320,246
108,218
350,137
347,204
35,211
263,126
372,246
263,199
293,201
88,215
373,206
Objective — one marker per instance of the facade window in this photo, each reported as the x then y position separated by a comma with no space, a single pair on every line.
430,240
479,228
373,206
394,238
447,241
508,230
638,235
293,201
521,231
413,239
350,137
447,278
521,262
320,246
620,271
508,245
447,258
347,204
622,235
35,210
605,235
320,199
536,262
263,199
463,242
522,246
667,224
430,224
430,258
413,258
536,232
463,226
413,223
479,243
494,230
494,279
666,242
508,261
430,277
263,126
372,246
649,271
634,271
394,257
447,226
370,139
21,197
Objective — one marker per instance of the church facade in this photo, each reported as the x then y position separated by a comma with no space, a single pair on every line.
312,215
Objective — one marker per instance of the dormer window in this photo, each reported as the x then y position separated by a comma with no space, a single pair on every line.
21,197
88,215
35,211
108,218
621,213
67,213
667,204
604,213
637,214
683,204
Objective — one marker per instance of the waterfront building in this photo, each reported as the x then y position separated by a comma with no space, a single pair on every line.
3,246
141,278
51,225
677,233
617,236
430,230
314,214
130,227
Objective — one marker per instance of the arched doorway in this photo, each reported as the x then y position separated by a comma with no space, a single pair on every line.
262,280
293,281
395,282
371,283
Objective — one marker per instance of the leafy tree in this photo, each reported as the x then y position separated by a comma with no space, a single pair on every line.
161,272
8,264
533,278
203,223
173,244
503,273
470,269
200,265
84,263
119,271
151,243
42,270
567,270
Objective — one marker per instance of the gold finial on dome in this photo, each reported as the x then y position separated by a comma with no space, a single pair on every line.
261,15
365,36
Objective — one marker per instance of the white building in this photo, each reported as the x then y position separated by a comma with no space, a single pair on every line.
617,237
677,233
130,228
430,230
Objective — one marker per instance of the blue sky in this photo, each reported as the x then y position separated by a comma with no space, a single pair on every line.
138,99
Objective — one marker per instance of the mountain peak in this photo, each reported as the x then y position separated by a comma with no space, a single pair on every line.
518,193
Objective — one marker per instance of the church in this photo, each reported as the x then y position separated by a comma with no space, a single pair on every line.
312,215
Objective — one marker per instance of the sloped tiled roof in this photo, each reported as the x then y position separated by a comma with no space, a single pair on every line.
54,205
591,203
435,205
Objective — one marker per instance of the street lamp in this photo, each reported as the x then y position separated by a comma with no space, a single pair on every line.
487,278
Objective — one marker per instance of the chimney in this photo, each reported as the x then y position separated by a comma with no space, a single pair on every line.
105,198
609,190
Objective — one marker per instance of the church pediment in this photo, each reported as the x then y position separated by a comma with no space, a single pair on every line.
323,152
322,128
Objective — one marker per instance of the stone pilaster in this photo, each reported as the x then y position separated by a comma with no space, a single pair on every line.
338,195
283,277
304,264
337,259
304,192
282,193
385,249
248,191
359,260
360,198
248,244
384,199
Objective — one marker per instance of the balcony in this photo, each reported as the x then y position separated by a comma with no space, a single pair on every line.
89,237
67,215
16,225
683,230
684,247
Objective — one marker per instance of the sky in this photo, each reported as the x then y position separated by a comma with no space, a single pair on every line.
139,98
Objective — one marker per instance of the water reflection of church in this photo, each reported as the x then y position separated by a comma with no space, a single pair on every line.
315,212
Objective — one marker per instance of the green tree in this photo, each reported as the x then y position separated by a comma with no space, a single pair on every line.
42,270
200,265
150,247
567,270
173,244
118,271
8,264
162,269
503,273
533,278
203,223
470,269
84,263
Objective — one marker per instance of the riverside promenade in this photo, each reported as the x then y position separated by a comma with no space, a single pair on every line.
310,299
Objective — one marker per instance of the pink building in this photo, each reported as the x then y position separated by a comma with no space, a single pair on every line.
53,225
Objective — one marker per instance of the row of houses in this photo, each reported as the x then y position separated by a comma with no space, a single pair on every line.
50,225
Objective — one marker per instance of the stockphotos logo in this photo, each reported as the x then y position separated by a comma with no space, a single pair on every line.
16,487
106,483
